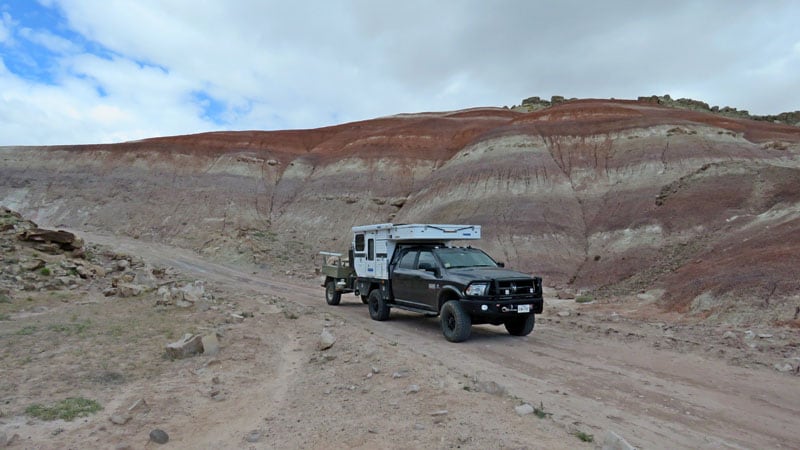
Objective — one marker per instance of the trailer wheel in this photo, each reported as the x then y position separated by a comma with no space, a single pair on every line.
378,309
520,326
456,323
331,296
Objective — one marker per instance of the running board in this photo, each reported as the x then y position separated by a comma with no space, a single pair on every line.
427,312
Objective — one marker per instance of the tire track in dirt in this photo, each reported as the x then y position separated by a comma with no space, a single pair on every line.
655,398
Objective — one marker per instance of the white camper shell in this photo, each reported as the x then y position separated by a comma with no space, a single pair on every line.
374,245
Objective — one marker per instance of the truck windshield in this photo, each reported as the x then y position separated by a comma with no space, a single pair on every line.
453,258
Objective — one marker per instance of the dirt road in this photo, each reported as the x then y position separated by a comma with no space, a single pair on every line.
655,398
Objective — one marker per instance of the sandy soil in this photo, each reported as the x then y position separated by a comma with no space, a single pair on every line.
395,384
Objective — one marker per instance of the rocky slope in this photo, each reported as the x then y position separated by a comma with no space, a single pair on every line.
698,212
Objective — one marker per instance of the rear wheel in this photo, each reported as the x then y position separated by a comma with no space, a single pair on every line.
378,309
331,296
456,323
520,326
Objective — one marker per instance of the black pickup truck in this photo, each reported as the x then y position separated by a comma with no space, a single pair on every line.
462,285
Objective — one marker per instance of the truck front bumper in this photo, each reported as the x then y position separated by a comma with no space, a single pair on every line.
489,308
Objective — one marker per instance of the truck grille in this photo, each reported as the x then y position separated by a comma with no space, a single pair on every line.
518,287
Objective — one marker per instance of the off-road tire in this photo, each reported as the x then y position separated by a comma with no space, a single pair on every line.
456,323
331,296
520,326
378,309
364,299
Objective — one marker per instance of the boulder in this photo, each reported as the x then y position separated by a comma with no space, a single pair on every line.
31,265
159,436
326,340
523,409
188,345
125,290
210,344
63,240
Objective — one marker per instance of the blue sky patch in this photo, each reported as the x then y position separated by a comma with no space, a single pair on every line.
38,37
213,109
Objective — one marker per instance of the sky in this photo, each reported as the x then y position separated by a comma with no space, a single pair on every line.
103,71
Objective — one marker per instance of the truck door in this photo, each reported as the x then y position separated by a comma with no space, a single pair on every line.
413,286
403,278
425,285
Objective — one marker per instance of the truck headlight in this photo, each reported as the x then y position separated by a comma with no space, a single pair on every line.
477,289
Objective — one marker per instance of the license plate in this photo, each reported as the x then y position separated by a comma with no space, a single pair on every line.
523,308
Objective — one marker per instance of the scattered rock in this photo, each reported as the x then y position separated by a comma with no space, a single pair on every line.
613,441
523,409
272,162
412,389
126,290
120,419
765,336
159,436
253,437
400,374
563,313
189,345
123,447
236,318
326,340
783,367
729,335
210,344
441,412
122,265
109,292
398,202
491,387
31,265
614,317
749,335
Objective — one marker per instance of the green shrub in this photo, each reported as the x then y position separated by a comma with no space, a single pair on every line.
67,409
27,330
585,437
540,412
584,298
45,271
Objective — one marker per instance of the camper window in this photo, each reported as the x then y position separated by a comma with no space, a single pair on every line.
370,249
359,242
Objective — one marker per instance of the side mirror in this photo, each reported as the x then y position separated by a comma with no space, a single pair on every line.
501,264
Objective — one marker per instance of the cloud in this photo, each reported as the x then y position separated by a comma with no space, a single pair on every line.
111,70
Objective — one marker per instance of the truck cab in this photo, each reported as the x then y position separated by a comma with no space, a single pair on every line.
416,268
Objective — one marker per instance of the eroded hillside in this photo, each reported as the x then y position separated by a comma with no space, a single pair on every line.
698,211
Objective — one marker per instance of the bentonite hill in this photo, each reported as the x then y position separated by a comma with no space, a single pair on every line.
606,197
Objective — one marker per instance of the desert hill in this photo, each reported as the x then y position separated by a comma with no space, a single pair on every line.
694,211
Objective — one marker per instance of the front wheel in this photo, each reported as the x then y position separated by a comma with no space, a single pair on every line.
378,309
456,323
364,299
520,326
331,296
